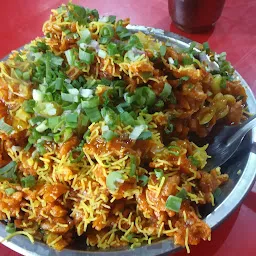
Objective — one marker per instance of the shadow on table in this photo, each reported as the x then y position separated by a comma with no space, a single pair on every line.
250,201
219,237
197,37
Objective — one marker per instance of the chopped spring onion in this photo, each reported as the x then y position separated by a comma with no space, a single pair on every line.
69,97
102,54
169,128
146,93
145,135
37,95
4,127
133,165
36,120
174,150
91,102
184,78
121,106
137,131
73,91
122,32
86,57
42,127
162,50
173,203
72,118
109,135
53,122
85,36
159,173
182,194
159,104
113,178
93,114
187,61
9,171
143,179
10,228
127,119
167,91
10,191
106,34
28,106
217,192
70,57
109,115
112,49
194,161
206,46
26,76
28,181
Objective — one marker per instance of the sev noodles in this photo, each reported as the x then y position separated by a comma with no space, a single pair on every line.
94,125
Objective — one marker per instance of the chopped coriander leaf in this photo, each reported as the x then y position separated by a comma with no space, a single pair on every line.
159,104
28,181
159,173
10,228
173,203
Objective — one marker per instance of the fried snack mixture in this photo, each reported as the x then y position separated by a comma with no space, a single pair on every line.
94,125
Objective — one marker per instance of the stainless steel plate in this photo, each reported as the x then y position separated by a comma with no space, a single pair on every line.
232,194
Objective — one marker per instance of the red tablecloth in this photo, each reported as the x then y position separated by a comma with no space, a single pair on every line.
235,33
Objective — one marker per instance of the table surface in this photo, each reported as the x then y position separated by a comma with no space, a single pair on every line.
234,33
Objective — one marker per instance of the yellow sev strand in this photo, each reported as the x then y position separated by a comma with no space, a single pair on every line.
186,241
19,233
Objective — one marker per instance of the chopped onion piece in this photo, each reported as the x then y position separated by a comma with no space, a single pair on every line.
37,95
102,54
42,127
86,93
171,60
137,131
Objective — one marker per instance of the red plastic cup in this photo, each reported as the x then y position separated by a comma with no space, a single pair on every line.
195,16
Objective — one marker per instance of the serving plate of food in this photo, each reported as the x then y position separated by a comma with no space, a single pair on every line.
96,127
